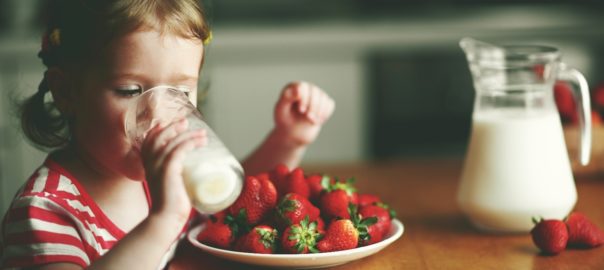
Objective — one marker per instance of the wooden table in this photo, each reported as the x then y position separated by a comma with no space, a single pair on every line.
437,236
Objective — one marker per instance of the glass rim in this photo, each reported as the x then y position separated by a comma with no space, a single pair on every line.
131,113
513,55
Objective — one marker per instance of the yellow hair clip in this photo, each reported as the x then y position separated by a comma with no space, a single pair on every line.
55,37
208,39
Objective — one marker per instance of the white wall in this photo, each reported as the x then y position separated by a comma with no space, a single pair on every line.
242,98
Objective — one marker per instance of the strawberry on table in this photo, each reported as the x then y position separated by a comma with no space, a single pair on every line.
598,97
256,201
336,198
260,239
582,233
301,238
293,208
551,236
563,96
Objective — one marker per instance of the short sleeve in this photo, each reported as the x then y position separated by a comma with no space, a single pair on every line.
37,230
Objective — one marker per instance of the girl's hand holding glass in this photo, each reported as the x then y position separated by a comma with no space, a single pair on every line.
168,129
163,151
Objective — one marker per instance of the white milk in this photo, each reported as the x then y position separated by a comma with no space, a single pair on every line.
211,180
516,168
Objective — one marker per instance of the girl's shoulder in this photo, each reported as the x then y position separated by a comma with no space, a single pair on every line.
53,219
51,180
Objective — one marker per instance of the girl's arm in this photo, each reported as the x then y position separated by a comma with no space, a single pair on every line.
300,113
142,248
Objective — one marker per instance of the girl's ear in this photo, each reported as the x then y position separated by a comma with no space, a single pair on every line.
61,94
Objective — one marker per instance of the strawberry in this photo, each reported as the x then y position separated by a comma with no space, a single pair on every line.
301,238
218,232
264,176
563,96
551,236
340,235
256,201
598,96
582,233
345,234
295,183
320,225
279,175
539,70
596,120
336,198
315,185
368,199
260,239
293,208
382,226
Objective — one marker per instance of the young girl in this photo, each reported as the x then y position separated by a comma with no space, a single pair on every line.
96,201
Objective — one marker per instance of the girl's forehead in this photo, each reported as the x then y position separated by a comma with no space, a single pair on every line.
149,49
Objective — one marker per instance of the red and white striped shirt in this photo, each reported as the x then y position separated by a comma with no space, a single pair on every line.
52,219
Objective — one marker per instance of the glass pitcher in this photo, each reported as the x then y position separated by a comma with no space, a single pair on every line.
517,166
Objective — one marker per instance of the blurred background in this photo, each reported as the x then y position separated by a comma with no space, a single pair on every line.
399,78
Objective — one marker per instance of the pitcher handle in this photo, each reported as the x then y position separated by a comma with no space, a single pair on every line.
581,95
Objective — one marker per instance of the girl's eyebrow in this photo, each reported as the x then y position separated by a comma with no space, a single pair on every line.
184,78
126,75
175,78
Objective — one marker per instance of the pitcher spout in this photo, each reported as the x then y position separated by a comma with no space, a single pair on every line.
479,51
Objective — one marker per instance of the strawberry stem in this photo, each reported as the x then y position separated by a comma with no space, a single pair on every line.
536,220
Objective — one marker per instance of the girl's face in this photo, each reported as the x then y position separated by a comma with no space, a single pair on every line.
134,63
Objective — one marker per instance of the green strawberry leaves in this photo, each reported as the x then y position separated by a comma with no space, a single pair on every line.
391,211
238,224
305,235
359,223
338,185
267,237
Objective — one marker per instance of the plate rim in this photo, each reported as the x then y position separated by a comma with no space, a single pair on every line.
396,232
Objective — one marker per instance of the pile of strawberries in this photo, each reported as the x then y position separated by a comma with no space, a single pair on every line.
285,211
553,236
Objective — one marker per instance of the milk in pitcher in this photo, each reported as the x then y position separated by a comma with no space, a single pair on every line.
502,189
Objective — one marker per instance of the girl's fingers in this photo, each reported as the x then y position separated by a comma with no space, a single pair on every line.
151,133
301,92
331,106
173,129
309,100
315,101
326,109
175,156
322,107
197,137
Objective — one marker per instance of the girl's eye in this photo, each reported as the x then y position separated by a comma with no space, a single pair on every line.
129,90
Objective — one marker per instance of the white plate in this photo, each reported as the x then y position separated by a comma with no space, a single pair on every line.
316,260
